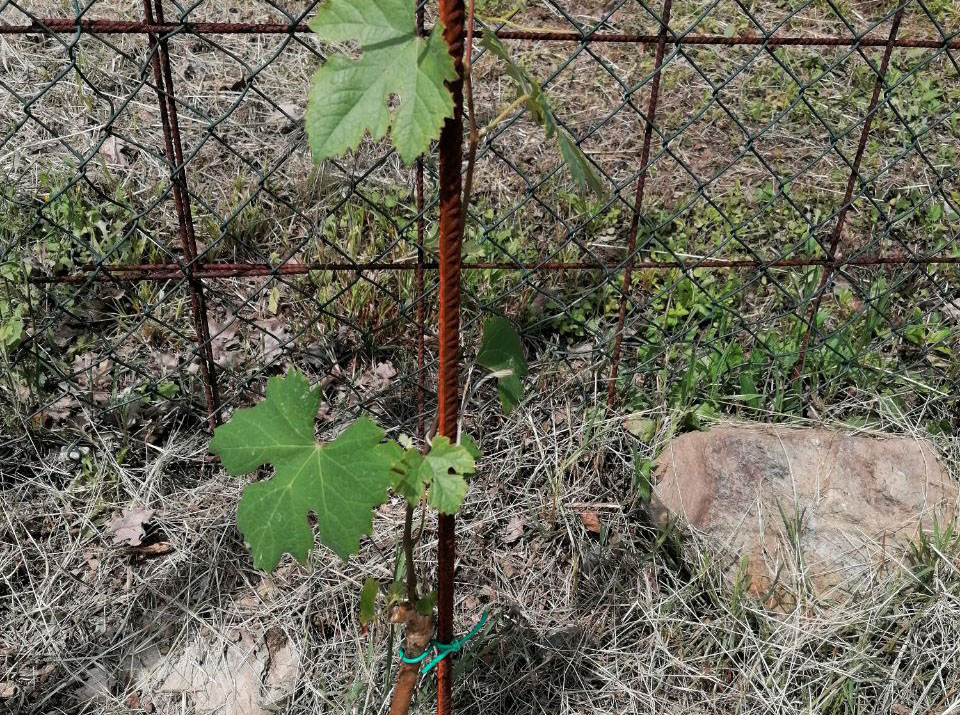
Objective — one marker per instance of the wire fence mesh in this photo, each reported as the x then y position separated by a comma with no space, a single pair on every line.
779,234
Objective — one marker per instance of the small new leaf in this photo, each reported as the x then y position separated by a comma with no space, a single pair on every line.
368,600
427,603
411,476
441,470
351,97
447,493
581,170
448,463
445,457
501,352
339,482
470,444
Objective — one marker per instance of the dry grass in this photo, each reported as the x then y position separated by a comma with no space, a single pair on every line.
93,120
583,623
626,620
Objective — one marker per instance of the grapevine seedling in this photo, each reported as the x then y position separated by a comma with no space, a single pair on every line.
396,89
342,481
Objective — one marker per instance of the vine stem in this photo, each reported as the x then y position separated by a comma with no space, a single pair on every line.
510,109
418,628
503,20
474,135
408,544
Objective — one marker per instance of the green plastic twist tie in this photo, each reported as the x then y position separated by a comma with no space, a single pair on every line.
443,649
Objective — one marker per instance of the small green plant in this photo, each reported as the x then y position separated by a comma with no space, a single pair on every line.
397,89
342,481
339,482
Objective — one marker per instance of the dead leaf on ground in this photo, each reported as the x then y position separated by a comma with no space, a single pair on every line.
7,689
97,685
134,701
149,551
377,378
127,528
591,520
237,672
112,151
224,341
513,531
274,336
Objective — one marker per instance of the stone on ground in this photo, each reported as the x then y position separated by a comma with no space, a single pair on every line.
848,502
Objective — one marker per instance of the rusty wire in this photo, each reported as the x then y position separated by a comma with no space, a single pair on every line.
124,27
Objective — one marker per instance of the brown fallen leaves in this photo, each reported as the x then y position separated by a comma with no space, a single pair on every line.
591,521
127,527
513,530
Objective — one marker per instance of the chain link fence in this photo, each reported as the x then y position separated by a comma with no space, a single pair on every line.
779,234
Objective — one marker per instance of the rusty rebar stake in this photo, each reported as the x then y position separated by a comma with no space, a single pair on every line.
452,15
173,147
833,260
638,203
419,287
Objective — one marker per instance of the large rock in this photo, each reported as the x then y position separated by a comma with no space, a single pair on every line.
847,500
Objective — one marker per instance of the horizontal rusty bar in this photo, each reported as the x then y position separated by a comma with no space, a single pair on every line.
215,271
107,27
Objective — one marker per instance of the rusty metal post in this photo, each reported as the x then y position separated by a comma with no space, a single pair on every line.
638,202
833,260
452,14
173,148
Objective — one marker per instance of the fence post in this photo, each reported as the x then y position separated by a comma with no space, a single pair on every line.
173,148
452,15
638,202
833,260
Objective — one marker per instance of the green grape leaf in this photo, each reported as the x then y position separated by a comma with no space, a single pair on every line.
368,600
501,352
447,493
470,444
445,457
580,168
449,463
441,470
412,476
340,482
351,97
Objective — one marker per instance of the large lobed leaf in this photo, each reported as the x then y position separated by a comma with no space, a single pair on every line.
339,482
351,96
